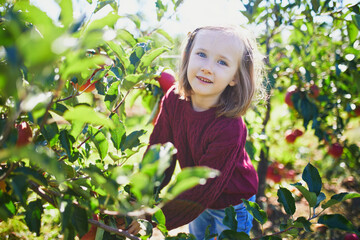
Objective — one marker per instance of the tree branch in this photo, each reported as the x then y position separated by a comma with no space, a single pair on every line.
112,230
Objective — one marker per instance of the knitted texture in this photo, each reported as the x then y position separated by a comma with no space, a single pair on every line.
202,139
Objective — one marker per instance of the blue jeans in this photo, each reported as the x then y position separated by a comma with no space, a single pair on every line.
215,218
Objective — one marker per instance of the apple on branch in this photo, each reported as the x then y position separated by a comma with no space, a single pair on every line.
166,80
24,134
288,97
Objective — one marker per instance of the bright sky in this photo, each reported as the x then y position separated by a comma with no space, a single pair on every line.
191,14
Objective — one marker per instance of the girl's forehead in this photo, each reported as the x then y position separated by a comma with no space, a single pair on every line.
217,37
217,40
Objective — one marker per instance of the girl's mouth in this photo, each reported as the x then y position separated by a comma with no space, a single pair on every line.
202,79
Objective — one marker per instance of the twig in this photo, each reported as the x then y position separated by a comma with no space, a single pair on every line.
36,188
112,230
7,173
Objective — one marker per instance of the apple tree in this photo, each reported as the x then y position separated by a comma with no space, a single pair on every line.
312,50
65,142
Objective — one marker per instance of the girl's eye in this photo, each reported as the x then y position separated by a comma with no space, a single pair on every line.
222,62
201,54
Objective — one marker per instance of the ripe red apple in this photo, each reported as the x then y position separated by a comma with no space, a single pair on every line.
288,97
357,111
91,234
166,80
88,86
24,134
275,172
298,132
351,236
314,91
290,136
290,174
335,150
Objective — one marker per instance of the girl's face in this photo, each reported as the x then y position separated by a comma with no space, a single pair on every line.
213,63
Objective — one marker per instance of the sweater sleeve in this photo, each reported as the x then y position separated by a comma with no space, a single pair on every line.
225,148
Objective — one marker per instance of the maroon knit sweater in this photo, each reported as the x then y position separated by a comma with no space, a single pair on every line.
202,139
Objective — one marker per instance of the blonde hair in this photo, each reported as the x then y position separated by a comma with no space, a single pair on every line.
234,101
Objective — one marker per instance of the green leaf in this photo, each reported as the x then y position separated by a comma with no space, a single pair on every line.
353,32
86,114
304,223
120,53
337,221
100,141
337,198
113,95
33,216
190,177
118,133
149,57
165,34
233,235
19,185
230,218
127,37
109,20
66,14
44,24
132,140
321,197
131,80
50,133
31,174
66,142
7,207
356,20
159,217
287,200
310,197
159,156
312,178
255,210
79,220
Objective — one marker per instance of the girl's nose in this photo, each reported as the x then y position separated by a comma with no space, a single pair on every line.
206,69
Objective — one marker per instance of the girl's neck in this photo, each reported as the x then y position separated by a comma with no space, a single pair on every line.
201,104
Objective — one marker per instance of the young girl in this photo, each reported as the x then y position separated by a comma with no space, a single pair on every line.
220,73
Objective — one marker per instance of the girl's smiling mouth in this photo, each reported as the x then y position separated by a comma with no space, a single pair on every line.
205,80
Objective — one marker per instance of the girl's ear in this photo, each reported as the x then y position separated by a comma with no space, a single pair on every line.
232,83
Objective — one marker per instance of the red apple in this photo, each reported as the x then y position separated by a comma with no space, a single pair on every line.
357,111
298,132
290,174
88,86
288,97
275,171
314,91
290,137
351,236
24,134
335,150
166,80
91,234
